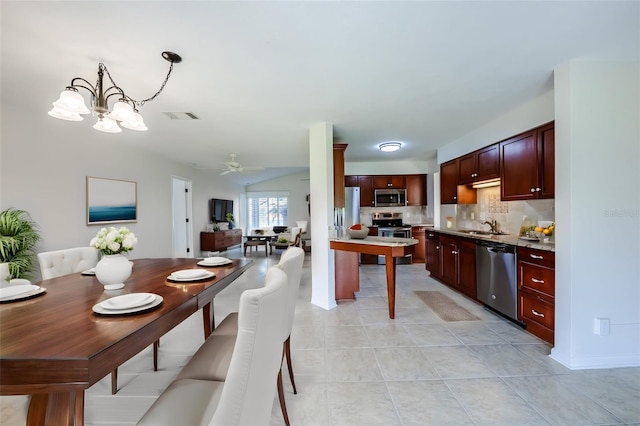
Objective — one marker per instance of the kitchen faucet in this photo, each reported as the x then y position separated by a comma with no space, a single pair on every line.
493,224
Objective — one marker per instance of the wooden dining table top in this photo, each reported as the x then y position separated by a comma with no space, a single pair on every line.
56,343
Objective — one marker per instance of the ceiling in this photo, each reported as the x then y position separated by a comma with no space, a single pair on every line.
259,74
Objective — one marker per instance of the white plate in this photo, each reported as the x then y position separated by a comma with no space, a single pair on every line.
530,238
215,261
128,301
207,275
14,290
35,291
19,281
91,271
99,309
189,274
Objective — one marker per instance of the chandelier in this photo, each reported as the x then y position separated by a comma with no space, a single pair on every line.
71,104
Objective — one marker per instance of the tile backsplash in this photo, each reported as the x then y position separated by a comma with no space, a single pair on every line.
508,214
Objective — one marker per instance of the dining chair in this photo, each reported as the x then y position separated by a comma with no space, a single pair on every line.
57,263
246,395
211,361
4,273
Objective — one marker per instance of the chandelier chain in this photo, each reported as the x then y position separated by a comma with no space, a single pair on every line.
136,102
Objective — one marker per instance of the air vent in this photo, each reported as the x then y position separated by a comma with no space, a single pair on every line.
181,115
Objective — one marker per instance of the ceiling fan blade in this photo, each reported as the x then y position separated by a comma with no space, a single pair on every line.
225,172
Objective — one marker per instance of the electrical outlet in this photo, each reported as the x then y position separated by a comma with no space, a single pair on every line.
601,326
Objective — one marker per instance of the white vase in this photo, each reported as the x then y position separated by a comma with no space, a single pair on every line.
112,270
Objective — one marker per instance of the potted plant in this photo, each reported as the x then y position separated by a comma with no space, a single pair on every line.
113,268
18,239
229,218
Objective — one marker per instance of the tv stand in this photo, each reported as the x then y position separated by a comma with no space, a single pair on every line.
220,240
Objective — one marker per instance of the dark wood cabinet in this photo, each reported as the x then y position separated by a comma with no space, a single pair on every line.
418,233
365,183
479,165
450,191
452,260
467,267
536,291
390,181
338,174
449,182
527,165
432,253
416,190
220,240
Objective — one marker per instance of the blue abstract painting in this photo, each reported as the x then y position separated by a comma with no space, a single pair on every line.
111,200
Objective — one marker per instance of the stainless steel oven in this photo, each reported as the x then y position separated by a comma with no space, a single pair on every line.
390,225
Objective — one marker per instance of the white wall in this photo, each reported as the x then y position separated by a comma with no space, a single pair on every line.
598,212
527,116
43,167
391,167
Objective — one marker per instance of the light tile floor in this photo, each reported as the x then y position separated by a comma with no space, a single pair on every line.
355,366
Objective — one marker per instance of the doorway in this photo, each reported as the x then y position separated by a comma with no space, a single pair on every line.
181,217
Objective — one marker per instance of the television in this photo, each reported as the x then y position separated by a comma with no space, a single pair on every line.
219,208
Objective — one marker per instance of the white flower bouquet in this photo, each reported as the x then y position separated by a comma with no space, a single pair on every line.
114,241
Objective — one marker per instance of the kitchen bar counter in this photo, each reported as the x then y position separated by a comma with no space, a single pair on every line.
501,238
347,280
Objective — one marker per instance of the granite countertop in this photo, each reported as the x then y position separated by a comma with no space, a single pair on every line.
501,238
378,241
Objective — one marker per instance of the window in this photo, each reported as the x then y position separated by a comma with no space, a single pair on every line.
267,209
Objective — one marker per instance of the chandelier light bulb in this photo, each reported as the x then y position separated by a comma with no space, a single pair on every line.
107,125
136,124
71,101
64,115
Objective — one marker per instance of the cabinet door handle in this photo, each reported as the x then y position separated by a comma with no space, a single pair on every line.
536,313
538,189
537,281
535,256
437,247
454,252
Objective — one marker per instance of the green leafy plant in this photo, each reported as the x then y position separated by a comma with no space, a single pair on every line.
216,228
229,217
19,236
283,240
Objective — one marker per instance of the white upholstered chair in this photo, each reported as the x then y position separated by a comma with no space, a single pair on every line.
4,273
57,263
246,396
211,361
68,261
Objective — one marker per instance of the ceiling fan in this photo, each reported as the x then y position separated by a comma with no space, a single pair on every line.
232,166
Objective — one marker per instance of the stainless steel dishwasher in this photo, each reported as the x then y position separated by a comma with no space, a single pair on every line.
496,277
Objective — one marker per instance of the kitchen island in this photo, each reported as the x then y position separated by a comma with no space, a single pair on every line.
347,275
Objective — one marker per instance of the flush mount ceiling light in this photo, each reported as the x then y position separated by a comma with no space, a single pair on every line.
390,146
71,104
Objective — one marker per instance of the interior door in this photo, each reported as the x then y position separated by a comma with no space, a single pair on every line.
181,214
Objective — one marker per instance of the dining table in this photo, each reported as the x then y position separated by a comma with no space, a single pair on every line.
56,345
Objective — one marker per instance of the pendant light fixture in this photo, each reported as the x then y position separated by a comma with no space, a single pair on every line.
70,105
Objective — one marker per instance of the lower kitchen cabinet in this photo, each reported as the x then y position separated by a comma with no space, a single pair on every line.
459,264
536,291
432,253
418,233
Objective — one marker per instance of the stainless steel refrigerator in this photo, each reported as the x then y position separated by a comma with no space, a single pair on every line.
350,214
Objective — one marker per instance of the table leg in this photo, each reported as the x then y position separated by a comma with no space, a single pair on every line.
56,408
390,266
207,319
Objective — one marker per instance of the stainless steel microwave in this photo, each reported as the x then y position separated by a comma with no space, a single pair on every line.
390,197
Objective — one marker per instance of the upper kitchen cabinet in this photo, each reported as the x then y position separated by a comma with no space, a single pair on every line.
365,183
391,181
479,165
527,165
450,191
449,182
416,190
338,174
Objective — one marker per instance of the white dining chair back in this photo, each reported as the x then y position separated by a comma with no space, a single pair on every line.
4,273
291,263
68,261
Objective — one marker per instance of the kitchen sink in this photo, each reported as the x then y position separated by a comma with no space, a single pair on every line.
474,232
